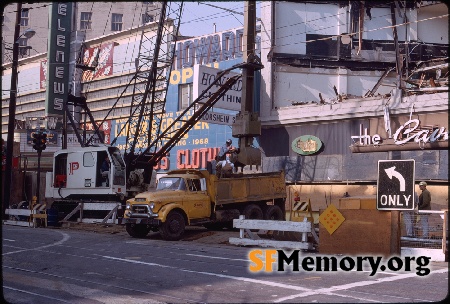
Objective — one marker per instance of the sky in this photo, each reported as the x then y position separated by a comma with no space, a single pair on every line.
198,17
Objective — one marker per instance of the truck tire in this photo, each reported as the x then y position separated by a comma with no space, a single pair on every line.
173,228
253,212
273,213
137,231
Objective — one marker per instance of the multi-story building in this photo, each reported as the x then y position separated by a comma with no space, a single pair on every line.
94,19
342,82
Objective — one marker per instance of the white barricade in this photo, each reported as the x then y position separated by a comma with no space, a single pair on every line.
304,228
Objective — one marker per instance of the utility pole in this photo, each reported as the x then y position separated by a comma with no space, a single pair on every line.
12,113
247,124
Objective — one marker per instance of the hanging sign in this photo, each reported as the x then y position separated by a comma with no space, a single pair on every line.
306,145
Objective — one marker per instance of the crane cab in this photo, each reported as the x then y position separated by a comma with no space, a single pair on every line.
77,174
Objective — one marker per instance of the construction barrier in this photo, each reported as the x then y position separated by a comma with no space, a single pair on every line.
27,217
110,218
425,232
246,226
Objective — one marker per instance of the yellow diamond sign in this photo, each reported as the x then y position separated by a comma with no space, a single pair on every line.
331,219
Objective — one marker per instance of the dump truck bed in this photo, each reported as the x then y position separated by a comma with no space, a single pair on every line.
247,188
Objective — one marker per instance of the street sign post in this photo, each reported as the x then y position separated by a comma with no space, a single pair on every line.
395,186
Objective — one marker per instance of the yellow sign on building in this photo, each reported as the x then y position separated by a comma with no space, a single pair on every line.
331,219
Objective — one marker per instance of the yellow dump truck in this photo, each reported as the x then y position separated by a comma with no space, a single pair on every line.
196,197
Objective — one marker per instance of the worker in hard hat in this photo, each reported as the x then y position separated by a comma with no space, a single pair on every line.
223,158
424,204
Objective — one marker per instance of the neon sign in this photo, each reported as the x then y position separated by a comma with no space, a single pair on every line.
409,131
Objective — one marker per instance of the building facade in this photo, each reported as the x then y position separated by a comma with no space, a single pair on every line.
368,81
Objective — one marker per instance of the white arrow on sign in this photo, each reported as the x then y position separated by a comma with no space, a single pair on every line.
392,173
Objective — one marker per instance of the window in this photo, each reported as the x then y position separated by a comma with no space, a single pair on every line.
86,21
194,185
88,159
146,18
185,95
23,46
116,22
24,17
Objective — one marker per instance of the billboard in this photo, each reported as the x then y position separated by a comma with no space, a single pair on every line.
204,76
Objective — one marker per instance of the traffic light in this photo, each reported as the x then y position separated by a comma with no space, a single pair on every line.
36,140
43,141
39,141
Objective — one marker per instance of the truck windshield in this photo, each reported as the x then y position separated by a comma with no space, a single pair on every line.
171,183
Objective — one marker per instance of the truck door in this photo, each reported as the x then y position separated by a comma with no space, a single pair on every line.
197,199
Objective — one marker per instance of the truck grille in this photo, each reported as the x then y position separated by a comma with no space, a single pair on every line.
140,209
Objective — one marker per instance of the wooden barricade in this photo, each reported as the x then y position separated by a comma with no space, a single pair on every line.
246,226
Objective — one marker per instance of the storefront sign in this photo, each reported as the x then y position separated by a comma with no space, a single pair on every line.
204,76
219,118
52,137
408,132
306,145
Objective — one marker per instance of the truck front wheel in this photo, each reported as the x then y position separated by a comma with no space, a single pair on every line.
173,228
137,231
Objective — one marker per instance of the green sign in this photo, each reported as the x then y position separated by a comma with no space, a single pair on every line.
306,145
58,58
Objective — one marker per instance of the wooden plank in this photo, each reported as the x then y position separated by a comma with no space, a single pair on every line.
95,221
73,212
112,214
100,206
270,243
25,212
17,223
272,225
362,232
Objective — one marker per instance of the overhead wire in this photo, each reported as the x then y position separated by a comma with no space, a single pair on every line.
352,33
335,36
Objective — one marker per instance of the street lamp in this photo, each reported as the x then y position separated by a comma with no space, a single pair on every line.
28,33
12,108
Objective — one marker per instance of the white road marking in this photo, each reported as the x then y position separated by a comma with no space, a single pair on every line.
65,238
219,258
356,284
273,284
9,240
306,291
34,294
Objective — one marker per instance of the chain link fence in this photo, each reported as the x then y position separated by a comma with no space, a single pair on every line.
424,229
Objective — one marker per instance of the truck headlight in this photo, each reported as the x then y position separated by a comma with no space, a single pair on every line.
151,205
128,206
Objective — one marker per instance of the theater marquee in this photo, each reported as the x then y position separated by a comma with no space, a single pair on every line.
409,136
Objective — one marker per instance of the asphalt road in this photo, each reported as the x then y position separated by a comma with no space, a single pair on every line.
105,265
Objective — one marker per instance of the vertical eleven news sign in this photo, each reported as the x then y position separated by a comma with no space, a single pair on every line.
60,20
